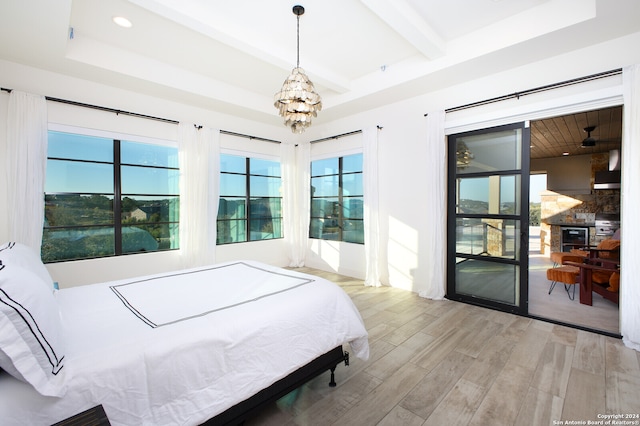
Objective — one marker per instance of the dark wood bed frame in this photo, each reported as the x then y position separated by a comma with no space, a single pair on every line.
250,407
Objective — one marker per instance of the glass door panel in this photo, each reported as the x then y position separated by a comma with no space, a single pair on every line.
486,152
488,280
489,194
488,217
497,238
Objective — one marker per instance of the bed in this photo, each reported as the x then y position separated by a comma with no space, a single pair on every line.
203,344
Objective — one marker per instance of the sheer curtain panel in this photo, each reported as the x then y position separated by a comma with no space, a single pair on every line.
630,246
436,223
296,182
26,165
371,208
199,158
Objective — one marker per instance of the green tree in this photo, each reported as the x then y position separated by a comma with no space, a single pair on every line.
534,214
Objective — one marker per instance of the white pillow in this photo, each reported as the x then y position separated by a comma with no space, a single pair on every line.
26,257
31,341
7,365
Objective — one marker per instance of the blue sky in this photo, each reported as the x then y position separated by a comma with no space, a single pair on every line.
537,184
94,173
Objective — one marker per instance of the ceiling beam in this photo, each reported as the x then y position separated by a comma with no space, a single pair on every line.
406,21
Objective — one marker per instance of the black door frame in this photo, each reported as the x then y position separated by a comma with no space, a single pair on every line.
523,217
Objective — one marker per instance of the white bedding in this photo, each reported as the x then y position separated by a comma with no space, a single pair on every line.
167,349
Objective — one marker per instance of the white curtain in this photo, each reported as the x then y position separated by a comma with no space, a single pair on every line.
630,235
199,157
435,220
296,183
371,207
26,165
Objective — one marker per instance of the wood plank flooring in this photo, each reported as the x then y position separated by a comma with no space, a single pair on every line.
448,363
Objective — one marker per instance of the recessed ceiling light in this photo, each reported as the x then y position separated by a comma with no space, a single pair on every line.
122,22
565,153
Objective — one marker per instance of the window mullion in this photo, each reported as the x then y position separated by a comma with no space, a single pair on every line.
117,197
340,200
248,199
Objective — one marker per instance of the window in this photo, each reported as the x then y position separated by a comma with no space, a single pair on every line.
106,197
337,199
250,201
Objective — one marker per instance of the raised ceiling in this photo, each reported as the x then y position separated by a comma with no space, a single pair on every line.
361,54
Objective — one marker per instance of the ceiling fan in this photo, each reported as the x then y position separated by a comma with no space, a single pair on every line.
589,141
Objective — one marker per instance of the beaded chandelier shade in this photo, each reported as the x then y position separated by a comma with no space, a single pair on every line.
297,101
463,155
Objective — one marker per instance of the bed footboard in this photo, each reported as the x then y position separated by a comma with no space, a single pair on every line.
252,406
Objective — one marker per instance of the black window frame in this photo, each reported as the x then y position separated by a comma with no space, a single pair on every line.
249,218
116,209
341,219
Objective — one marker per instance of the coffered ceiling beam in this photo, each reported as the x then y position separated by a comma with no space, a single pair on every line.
406,21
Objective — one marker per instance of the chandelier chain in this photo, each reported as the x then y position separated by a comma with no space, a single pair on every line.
298,43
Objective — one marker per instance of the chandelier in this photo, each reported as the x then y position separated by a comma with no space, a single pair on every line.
298,101
463,155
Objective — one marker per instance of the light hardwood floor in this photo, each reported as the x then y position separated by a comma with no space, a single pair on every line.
448,363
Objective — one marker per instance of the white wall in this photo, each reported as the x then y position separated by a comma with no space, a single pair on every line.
568,175
4,231
402,152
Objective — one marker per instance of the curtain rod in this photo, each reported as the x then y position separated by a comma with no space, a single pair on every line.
138,115
248,136
517,95
355,132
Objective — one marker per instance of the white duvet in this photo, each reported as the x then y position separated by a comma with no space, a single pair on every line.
180,348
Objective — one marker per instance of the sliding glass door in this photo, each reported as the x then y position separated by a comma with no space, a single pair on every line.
488,217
